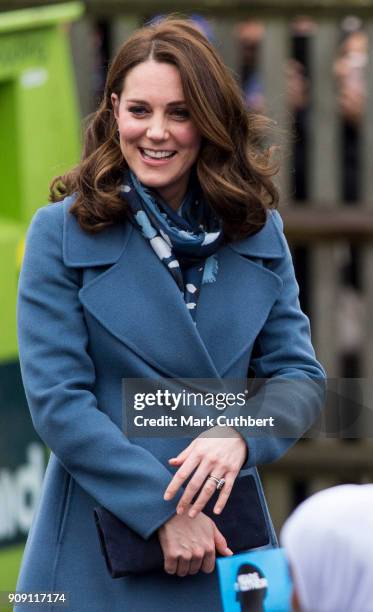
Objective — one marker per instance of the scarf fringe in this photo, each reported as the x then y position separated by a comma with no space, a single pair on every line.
210,270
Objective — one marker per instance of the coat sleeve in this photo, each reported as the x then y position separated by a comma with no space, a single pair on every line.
59,376
293,389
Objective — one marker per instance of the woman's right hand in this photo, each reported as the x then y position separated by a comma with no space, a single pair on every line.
190,544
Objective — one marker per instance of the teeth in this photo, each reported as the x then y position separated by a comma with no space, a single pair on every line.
158,154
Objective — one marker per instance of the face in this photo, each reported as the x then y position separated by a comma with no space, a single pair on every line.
159,140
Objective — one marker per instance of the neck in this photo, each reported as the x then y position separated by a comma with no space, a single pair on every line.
174,194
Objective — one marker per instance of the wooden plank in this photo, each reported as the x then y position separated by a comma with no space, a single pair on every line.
121,29
325,182
367,125
325,141
367,188
311,224
367,283
241,8
345,460
274,56
82,37
278,492
323,479
324,298
227,43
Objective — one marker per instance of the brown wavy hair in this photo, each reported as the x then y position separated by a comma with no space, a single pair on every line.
234,167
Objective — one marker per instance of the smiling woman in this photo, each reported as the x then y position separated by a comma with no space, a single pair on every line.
159,258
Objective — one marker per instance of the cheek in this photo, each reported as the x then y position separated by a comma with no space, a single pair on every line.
130,130
189,137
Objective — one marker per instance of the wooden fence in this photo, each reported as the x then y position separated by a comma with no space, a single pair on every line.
323,228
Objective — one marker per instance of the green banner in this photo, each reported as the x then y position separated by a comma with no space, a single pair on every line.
23,459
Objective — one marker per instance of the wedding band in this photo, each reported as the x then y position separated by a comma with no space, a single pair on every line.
220,482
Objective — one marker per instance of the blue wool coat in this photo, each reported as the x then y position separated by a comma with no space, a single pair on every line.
93,309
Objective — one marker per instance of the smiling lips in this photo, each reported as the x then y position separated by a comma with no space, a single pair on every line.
156,155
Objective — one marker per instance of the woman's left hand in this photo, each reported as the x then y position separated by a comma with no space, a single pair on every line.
218,456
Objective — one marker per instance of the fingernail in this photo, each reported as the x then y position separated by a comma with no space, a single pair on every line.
167,496
179,510
229,551
217,511
192,513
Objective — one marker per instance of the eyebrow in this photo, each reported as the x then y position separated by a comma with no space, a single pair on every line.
174,103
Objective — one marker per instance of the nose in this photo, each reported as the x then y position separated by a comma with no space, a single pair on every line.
157,129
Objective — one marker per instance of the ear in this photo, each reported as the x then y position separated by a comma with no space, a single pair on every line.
115,103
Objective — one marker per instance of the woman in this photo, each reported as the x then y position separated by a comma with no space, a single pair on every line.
162,259
328,540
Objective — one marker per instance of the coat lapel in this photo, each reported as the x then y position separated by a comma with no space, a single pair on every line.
139,303
232,310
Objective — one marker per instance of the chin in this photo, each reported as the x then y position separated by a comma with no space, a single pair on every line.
153,183
148,178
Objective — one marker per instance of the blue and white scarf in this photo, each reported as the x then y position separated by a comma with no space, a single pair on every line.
185,241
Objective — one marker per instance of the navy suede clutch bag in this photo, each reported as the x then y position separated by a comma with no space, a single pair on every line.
242,522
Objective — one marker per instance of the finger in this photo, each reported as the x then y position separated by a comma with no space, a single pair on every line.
208,564
183,565
197,560
170,565
181,456
207,492
225,492
181,475
221,543
194,485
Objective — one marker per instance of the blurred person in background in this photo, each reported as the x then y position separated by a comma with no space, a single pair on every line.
329,542
350,73
161,255
250,35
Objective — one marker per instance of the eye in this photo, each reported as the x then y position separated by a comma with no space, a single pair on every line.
137,110
181,113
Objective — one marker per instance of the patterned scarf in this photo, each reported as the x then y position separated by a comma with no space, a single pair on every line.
185,241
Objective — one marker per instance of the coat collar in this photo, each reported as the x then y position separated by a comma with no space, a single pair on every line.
265,244
81,249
